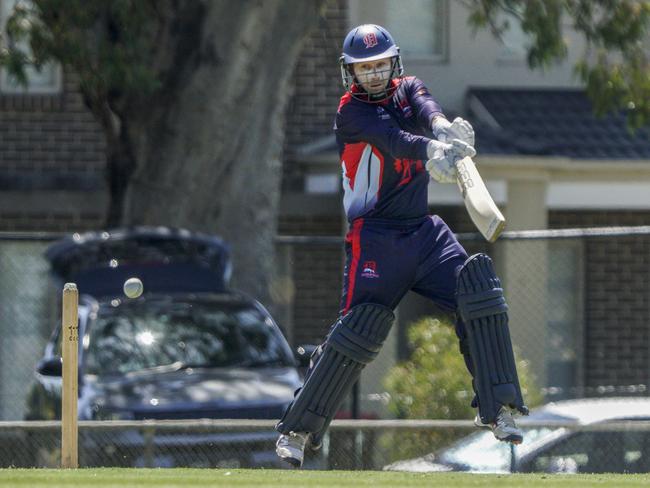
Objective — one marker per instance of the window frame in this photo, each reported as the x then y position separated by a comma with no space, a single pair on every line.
577,304
433,58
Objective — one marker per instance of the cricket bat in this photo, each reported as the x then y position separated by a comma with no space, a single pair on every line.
486,216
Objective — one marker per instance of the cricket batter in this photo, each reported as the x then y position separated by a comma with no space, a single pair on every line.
387,126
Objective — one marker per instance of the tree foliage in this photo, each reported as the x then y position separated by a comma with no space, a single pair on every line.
108,44
615,65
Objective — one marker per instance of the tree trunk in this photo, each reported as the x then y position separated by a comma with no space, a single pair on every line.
119,168
209,150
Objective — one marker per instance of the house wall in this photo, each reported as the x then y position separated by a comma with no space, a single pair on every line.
317,78
317,270
51,162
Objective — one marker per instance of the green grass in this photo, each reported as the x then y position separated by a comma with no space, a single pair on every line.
259,478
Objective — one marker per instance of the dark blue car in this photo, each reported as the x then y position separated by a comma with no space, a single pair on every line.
188,348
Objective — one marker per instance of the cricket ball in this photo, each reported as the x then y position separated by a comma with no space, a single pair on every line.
133,287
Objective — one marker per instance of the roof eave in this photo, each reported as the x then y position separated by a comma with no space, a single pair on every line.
512,167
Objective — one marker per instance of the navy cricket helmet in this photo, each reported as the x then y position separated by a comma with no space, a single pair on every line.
369,42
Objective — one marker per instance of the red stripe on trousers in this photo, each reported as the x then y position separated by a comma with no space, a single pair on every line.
355,237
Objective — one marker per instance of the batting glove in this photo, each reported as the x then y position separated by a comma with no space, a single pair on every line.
458,129
442,157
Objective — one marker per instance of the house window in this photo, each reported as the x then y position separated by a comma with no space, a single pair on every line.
421,29
47,80
565,318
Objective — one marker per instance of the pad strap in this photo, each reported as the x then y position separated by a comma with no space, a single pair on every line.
360,336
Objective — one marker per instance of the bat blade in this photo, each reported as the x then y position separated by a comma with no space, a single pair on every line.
486,216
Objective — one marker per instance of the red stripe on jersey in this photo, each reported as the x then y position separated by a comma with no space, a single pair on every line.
380,156
344,99
354,237
381,170
351,157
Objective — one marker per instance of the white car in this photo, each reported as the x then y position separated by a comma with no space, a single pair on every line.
554,449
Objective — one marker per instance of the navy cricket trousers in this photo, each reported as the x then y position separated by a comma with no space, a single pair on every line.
385,259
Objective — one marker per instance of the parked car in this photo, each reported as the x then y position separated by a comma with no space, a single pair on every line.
554,449
188,348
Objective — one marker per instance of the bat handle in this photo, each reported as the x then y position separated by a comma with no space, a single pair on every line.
443,139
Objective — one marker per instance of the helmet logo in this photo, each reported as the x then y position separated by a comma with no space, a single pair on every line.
370,40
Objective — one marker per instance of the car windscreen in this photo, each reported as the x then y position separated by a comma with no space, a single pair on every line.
132,339
481,451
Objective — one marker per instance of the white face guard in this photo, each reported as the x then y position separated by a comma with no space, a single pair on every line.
374,84
374,80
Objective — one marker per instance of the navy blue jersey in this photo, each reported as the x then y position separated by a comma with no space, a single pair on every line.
383,148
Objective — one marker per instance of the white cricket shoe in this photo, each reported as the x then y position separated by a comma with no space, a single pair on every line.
504,427
291,447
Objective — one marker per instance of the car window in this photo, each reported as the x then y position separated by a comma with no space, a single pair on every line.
481,451
595,452
136,339
636,451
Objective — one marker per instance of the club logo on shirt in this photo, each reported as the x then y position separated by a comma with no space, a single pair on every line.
383,115
369,270
370,40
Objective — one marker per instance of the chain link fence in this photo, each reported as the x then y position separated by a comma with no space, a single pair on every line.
579,312
27,316
566,447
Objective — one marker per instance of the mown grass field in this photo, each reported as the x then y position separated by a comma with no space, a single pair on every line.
259,478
